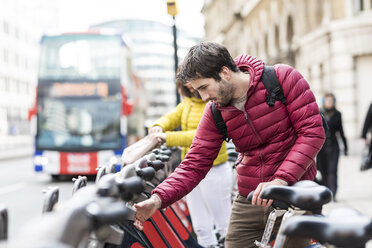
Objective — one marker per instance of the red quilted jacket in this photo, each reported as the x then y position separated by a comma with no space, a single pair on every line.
275,142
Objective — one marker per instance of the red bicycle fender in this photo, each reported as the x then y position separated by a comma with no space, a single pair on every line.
136,245
152,235
167,231
177,224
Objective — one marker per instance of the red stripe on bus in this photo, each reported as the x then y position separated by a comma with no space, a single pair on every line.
167,230
152,235
177,224
75,163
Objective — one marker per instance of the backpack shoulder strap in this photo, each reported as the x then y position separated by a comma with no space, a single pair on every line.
273,86
220,123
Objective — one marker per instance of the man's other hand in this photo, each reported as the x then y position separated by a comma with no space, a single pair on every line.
257,200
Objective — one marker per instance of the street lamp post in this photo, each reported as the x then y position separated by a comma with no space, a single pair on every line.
173,11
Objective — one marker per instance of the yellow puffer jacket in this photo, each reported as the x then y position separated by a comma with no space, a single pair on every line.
187,114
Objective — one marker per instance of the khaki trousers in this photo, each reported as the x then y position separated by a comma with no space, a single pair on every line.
247,224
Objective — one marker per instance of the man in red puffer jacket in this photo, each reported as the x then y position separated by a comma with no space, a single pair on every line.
277,144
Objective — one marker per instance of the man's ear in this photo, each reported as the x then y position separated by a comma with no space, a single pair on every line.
225,73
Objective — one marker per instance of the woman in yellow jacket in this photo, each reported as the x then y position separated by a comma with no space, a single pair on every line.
210,202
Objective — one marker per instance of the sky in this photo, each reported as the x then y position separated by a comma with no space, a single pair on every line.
77,15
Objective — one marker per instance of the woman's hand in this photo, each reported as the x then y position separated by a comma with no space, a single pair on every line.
155,129
161,137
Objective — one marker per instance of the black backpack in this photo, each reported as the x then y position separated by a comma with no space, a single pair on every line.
275,90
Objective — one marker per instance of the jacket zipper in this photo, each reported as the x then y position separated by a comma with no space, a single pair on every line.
249,122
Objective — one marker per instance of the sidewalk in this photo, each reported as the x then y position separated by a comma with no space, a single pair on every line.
354,188
14,146
16,152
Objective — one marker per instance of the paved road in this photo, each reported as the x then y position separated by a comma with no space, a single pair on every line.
21,191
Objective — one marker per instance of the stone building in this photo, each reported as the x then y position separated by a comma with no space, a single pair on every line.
328,41
22,23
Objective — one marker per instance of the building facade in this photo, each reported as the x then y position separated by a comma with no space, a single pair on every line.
151,44
21,26
328,41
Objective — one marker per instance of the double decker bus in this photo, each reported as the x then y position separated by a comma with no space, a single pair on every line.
81,108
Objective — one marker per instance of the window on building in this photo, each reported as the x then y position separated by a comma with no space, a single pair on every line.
6,56
290,32
6,27
358,5
26,63
16,86
319,13
266,45
2,84
6,84
16,59
17,33
277,40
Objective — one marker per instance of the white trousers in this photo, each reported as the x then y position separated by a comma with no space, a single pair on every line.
209,204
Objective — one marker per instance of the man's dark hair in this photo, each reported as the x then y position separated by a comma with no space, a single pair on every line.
205,60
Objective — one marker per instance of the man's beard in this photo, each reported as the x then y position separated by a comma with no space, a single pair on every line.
225,93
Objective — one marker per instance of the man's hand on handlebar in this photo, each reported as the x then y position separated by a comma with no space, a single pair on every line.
256,200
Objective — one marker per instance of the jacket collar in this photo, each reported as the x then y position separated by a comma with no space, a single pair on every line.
251,64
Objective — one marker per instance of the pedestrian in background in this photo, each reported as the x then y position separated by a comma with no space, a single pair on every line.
367,154
327,159
367,126
209,203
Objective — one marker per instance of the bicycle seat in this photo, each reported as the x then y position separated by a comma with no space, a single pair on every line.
306,195
342,228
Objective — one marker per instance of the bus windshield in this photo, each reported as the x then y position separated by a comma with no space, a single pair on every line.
76,125
79,93
80,56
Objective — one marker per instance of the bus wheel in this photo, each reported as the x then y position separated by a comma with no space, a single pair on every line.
56,177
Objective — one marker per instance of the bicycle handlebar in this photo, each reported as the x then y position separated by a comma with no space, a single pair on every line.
163,158
111,185
306,195
146,174
162,151
109,212
276,204
157,164
343,228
